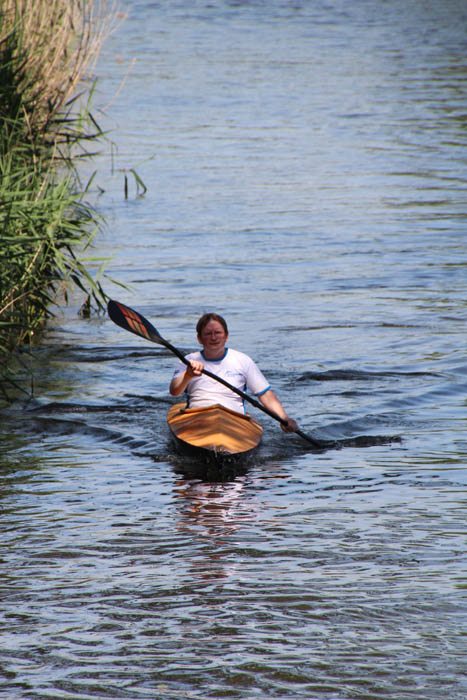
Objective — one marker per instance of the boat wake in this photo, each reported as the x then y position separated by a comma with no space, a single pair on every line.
136,424
351,375
362,441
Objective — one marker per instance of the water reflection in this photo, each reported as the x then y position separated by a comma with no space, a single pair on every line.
212,514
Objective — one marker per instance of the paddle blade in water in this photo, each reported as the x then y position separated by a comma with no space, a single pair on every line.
132,321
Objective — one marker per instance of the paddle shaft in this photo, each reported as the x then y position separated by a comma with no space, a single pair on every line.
134,322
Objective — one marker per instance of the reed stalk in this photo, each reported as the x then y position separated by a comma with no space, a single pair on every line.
48,49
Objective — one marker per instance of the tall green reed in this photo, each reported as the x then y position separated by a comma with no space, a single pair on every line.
46,47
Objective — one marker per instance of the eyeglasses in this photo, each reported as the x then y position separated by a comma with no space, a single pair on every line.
212,334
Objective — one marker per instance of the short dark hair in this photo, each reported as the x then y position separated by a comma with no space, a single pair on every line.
204,320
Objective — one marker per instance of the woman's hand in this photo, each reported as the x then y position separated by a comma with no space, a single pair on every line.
194,369
180,383
291,426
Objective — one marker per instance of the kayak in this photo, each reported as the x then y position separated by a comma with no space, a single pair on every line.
221,440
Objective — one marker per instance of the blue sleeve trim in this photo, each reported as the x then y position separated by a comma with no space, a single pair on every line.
260,393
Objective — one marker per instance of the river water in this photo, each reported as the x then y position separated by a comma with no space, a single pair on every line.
306,177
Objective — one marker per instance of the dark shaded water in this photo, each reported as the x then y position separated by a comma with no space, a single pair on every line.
306,174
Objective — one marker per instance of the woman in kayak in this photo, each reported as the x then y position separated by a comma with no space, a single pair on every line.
233,366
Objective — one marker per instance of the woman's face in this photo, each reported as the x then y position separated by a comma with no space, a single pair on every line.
213,339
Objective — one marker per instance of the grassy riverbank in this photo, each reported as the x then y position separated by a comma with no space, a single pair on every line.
47,51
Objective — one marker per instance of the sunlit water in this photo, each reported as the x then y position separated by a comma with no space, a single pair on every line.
306,177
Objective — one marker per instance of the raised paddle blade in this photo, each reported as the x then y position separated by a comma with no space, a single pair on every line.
134,322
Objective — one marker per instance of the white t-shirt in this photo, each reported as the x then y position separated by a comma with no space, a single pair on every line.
236,368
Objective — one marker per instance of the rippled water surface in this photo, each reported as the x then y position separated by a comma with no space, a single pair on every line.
306,177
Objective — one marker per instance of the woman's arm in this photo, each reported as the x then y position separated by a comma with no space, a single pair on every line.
270,401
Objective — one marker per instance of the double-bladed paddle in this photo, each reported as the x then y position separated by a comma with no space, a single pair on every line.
134,322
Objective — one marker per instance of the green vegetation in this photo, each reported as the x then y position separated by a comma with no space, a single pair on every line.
47,49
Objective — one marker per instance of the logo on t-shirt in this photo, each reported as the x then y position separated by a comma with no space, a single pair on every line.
233,373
